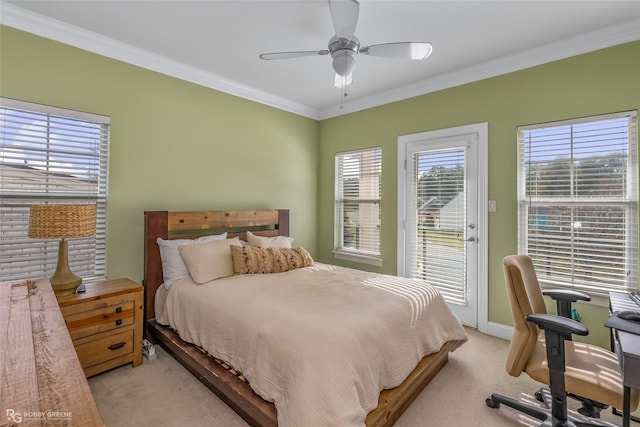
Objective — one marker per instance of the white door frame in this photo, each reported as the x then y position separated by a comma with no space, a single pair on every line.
481,129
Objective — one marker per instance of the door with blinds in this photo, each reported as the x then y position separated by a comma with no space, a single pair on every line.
440,216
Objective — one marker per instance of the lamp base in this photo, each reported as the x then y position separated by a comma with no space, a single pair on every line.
63,281
68,288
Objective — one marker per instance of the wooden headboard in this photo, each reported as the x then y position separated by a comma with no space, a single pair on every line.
190,225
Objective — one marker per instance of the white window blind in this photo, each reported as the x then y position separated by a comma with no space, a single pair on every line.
358,194
578,201
438,254
50,155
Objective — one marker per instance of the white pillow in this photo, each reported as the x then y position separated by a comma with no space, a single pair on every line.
209,261
269,242
173,267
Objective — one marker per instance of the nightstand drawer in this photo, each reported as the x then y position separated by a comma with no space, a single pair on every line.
109,347
99,320
78,305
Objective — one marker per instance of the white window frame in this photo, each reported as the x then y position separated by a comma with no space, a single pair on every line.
571,275
370,168
32,146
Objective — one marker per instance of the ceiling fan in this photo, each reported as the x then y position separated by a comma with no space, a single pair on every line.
344,46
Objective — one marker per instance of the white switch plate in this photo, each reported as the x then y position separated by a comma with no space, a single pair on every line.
492,205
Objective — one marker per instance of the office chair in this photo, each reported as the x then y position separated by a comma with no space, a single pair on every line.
565,366
564,299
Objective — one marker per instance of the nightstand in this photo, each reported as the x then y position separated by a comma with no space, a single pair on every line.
105,324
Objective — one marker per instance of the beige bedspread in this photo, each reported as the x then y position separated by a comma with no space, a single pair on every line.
320,342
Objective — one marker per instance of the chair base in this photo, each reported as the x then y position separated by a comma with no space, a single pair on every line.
590,408
616,411
544,413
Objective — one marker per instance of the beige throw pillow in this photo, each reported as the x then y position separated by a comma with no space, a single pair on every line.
254,260
173,266
209,261
269,242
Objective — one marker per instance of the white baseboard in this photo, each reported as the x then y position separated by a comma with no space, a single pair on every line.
499,330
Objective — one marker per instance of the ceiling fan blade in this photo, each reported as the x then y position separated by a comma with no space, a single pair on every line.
400,50
287,55
344,15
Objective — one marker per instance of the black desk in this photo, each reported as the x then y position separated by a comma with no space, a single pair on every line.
627,346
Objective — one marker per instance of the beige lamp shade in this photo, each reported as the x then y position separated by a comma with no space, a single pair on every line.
62,222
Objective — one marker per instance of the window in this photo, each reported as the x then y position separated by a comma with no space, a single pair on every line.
357,216
578,201
50,155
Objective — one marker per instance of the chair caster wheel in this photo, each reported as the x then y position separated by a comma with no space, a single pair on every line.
491,403
539,396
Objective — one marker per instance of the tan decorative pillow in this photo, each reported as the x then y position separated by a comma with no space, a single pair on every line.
173,266
255,260
208,261
269,242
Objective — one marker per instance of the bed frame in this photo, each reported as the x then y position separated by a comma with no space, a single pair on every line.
218,377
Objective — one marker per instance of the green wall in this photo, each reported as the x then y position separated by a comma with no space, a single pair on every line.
177,146
599,82
174,145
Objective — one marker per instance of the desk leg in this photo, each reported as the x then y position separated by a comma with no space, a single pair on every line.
626,407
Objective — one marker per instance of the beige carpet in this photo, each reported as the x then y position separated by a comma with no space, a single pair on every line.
162,393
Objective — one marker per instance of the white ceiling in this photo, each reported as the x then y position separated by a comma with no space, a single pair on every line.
217,43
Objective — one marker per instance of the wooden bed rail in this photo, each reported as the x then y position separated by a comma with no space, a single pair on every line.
178,221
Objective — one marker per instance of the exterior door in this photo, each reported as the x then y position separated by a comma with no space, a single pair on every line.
441,224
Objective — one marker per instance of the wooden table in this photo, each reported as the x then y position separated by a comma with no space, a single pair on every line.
41,380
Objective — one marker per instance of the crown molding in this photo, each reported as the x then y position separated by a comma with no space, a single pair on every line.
19,18
599,39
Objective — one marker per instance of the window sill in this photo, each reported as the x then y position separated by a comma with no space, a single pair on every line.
358,257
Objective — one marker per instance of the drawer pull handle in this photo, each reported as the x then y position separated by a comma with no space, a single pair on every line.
118,322
117,345
119,310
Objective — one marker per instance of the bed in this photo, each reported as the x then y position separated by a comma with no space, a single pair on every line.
212,361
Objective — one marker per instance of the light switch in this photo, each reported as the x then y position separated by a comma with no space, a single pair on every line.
492,206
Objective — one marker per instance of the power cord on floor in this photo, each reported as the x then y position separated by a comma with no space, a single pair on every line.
148,350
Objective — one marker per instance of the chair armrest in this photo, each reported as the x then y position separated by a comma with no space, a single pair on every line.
566,295
558,324
564,298
557,330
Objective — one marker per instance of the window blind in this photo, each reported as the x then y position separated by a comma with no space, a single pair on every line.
358,190
50,155
578,201
438,254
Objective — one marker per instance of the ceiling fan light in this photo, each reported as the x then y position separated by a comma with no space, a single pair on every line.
342,81
344,62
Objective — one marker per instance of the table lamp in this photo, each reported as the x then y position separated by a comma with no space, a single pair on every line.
62,222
